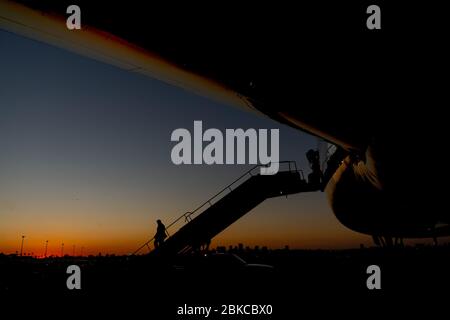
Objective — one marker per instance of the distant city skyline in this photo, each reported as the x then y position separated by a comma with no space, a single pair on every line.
85,160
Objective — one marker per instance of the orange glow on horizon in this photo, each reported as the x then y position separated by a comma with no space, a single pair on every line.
119,246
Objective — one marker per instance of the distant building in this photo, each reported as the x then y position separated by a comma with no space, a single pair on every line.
221,249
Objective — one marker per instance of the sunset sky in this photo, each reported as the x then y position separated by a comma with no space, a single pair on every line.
85,160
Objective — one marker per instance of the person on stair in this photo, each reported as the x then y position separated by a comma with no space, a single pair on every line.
315,178
160,233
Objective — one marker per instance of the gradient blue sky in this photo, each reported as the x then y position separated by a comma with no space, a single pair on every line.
86,159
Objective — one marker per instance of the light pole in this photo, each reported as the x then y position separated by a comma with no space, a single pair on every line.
62,250
46,246
21,247
73,251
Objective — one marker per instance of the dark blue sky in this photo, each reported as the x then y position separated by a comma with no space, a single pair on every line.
86,157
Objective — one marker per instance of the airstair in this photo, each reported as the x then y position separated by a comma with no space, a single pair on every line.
196,228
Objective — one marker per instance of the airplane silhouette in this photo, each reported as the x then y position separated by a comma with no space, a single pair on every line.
374,95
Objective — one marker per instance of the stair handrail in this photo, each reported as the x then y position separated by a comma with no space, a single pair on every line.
187,215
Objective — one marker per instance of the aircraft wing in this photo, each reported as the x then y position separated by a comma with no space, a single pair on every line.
255,56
